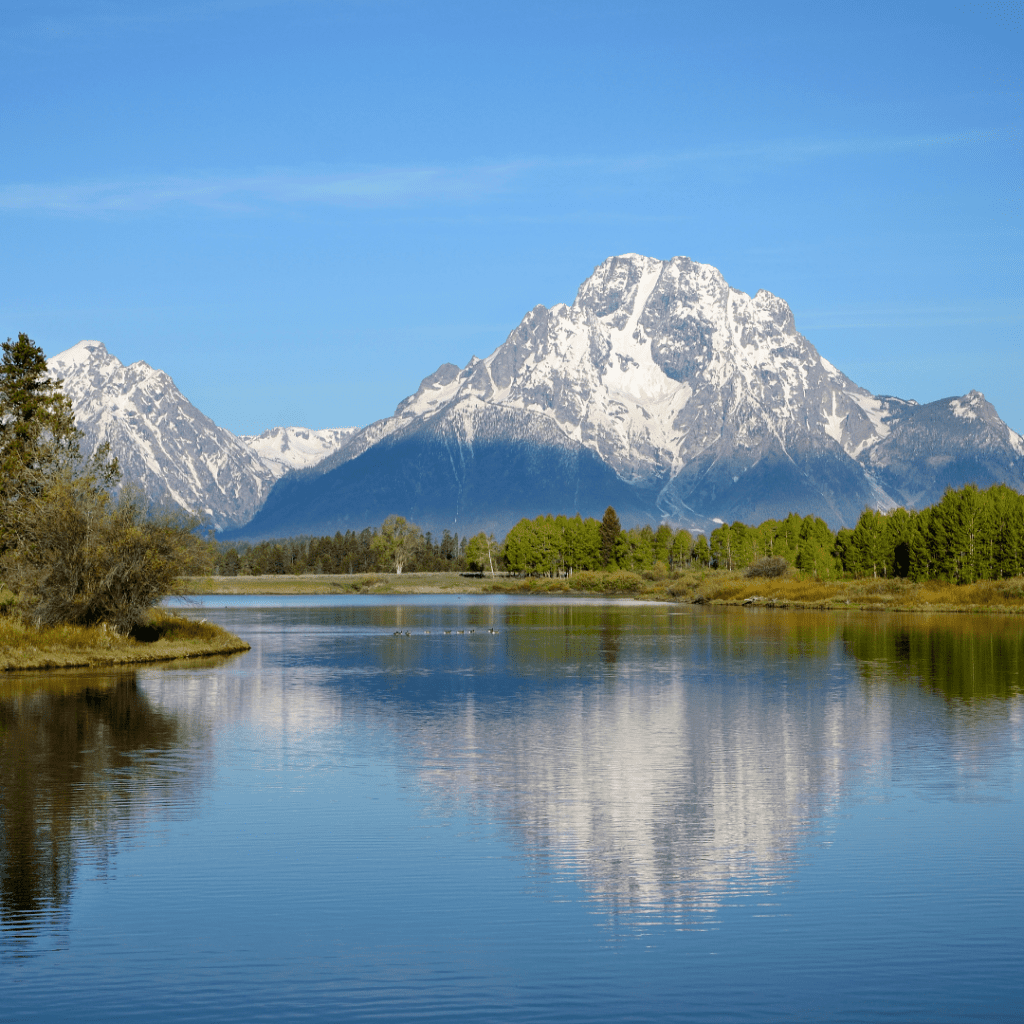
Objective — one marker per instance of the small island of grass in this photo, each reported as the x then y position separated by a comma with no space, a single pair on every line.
161,637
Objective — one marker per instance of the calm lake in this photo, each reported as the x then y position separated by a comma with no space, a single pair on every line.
599,812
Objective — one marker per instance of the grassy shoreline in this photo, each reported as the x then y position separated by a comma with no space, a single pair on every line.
697,586
25,647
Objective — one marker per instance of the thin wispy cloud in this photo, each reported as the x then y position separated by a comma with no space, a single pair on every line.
377,187
427,185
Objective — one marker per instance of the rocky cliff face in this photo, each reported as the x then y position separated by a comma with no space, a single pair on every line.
704,403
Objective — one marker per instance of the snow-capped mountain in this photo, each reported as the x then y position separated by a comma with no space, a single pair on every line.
283,449
163,443
660,390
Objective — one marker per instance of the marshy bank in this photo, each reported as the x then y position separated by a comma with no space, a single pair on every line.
691,586
162,637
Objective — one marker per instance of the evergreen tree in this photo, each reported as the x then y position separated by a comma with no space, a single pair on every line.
610,531
817,544
900,533
38,437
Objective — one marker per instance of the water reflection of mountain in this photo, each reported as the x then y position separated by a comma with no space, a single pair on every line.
664,757
81,759
668,759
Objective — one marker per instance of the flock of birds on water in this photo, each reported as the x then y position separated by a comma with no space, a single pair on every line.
426,632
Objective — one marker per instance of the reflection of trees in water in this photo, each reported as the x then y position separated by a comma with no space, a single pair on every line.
964,657
77,763
716,744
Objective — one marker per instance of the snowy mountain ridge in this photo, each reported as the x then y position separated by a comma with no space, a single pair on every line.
660,389
705,399
171,449
284,449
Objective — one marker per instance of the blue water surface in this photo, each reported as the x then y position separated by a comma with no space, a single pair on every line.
601,811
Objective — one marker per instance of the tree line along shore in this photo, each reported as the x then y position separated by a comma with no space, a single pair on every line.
966,551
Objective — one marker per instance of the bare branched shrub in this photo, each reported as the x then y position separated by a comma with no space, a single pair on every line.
771,568
141,556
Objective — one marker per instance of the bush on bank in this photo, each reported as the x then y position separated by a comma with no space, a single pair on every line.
72,550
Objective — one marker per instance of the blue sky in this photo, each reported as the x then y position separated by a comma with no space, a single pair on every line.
300,208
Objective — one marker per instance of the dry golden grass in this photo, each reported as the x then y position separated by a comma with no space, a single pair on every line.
700,586
23,646
893,594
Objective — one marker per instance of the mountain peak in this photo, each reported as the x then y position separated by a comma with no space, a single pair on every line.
162,442
705,403
82,353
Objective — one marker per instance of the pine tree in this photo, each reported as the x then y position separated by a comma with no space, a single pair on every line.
38,436
610,530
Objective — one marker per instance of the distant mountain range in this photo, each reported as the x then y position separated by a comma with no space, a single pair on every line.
283,449
663,392
660,390
168,447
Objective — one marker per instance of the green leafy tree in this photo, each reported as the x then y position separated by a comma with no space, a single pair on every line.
518,547
1006,535
72,552
871,555
582,544
682,549
845,551
230,564
85,557
701,551
480,553
958,528
396,543
639,552
663,538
